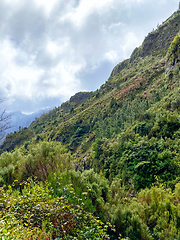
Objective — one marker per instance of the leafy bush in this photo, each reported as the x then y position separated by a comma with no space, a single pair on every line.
38,161
34,208
173,53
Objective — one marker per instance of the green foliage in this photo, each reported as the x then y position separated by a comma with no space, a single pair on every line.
173,53
38,161
162,211
137,159
153,214
88,186
166,125
34,209
10,164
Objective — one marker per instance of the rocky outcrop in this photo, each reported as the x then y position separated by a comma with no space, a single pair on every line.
160,39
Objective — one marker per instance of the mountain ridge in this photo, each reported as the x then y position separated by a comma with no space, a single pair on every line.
122,75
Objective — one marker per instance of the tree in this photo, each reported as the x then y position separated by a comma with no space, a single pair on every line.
4,121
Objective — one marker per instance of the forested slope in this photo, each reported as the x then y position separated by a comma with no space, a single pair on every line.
112,154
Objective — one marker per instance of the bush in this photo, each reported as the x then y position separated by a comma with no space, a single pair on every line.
35,210
39,161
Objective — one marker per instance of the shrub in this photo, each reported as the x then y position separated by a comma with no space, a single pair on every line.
35,210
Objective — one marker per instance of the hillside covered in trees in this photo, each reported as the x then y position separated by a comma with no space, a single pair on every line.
105,164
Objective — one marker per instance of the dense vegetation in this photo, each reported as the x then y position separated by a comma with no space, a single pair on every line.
106,164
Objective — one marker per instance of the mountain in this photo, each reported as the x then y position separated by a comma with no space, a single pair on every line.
138,79
117,148
142,79
19,120
135,87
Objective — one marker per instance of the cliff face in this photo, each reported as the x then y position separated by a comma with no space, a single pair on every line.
160,39
80,97
76,100
157,42
119,67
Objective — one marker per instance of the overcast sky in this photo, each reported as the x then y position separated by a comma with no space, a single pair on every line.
51,49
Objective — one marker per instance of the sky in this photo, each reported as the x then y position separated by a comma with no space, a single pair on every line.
50,50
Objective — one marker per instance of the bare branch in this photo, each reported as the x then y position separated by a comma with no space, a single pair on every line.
4,121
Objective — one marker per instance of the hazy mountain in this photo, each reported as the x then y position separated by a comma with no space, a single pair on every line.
19,120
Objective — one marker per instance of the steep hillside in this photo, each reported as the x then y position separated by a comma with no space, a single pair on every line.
123,141
141,77
138,80
157,42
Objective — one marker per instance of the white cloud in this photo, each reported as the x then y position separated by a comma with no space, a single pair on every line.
48,5
115,26
130,42
54,48
79,14
111,56
30,82
16,80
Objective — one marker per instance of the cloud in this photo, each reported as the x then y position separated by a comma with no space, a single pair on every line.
49,50
85,8
48,5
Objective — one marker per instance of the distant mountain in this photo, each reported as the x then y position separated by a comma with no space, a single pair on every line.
19,120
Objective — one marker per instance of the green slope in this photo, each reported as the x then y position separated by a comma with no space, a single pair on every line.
139,81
